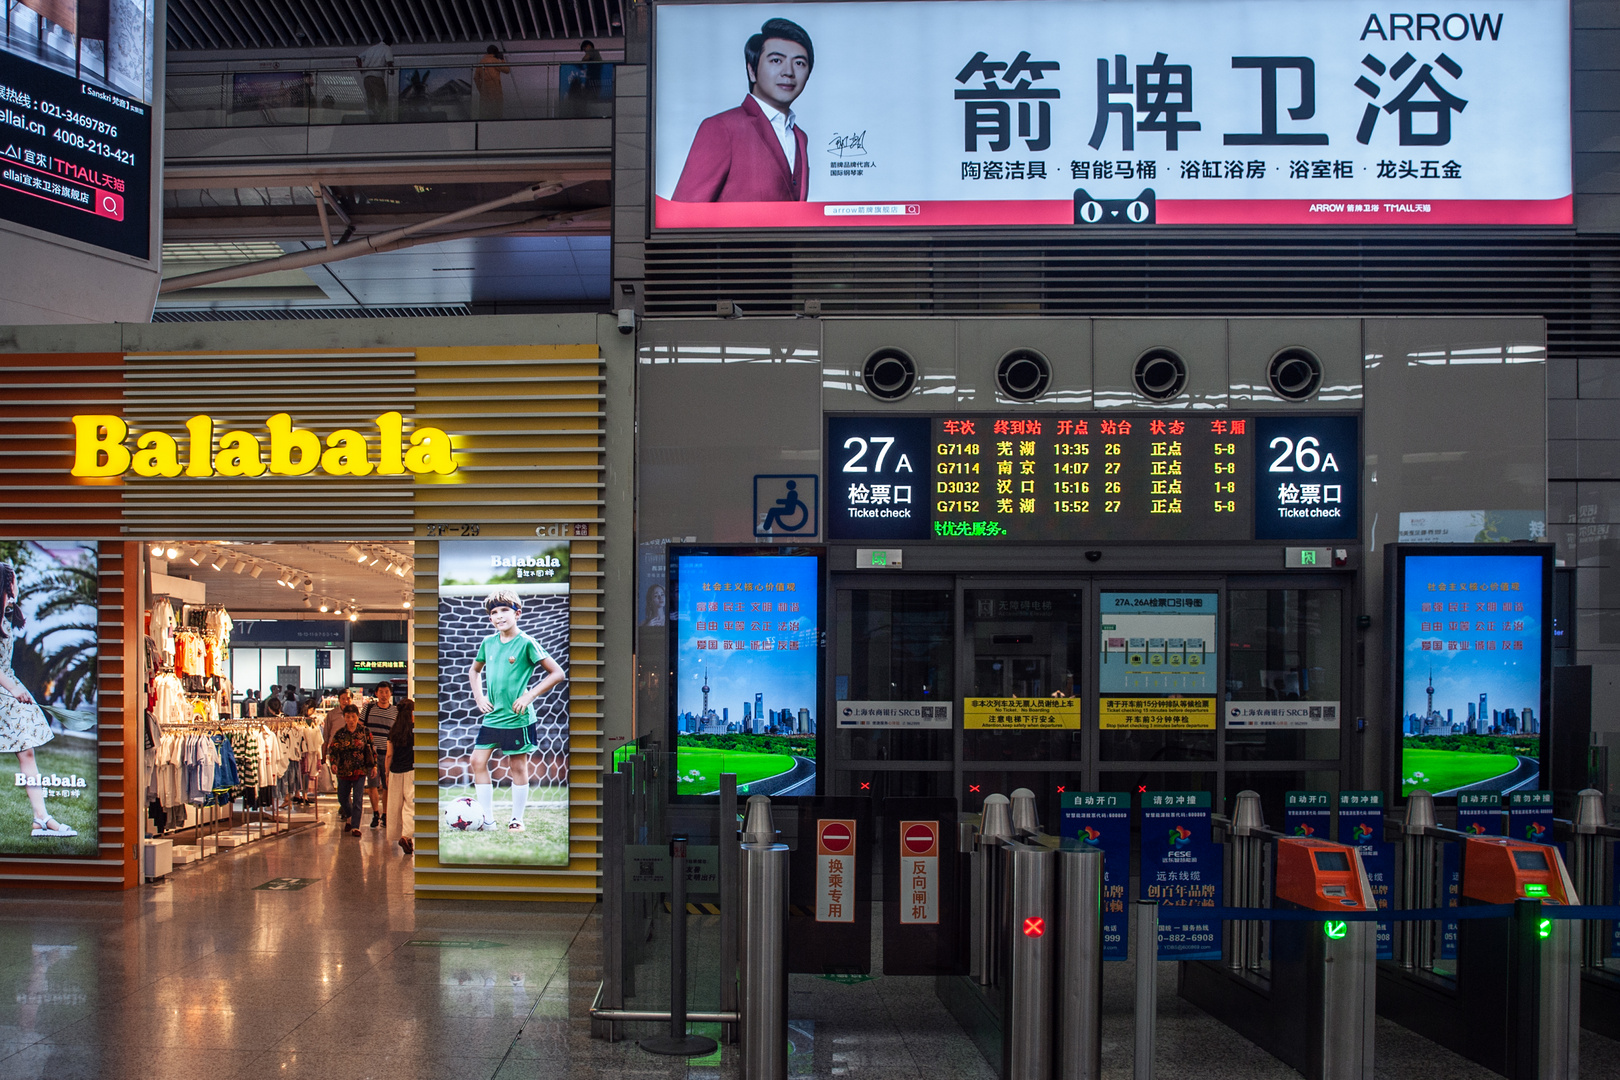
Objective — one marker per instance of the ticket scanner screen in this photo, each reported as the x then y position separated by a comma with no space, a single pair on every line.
1500,871
1320,875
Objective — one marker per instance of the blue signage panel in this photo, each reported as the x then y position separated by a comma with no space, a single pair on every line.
1308,813
746,655
1361,825
1103,820
879,477
1530,816
1307,478
1479,813
1472,650
1181,868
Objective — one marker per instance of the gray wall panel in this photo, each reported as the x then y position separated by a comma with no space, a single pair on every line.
1201,343
1336,343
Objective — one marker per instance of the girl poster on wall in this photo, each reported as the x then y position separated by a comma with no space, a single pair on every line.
48,698
503,702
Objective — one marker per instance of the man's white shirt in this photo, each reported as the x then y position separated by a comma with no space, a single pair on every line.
782,124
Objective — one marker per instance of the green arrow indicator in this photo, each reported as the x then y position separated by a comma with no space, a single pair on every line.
1336,930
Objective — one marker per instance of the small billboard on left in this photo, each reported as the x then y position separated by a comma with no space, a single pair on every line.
77,104
48,676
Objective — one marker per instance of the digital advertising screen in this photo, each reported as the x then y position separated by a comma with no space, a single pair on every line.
1108,115
76,121
48,687
1473,651
503,702
746,653
1090,477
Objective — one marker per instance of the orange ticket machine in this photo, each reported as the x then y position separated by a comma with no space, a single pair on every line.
1497,870
1318,1012
1519,976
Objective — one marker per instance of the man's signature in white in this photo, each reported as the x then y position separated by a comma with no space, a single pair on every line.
844,145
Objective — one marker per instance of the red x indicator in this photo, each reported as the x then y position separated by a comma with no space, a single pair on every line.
1060,789
1142,788
1034,927
973,787
866,785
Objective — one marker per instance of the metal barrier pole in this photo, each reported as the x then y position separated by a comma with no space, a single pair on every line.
995,829
1146,947
764,969
1248,875
614,788
1349,1010
730,901
1079,1003
677,1043
1027,1019
1420,882
1592,834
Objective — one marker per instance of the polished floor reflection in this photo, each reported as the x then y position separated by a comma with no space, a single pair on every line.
211,977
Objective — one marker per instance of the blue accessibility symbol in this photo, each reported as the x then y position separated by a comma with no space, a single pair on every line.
786,505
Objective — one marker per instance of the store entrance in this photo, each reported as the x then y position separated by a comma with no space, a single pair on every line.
252,650
1071,683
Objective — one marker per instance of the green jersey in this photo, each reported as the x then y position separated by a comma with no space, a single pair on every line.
508,670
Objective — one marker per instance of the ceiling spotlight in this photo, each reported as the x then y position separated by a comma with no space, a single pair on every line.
194,556
359,556
157,551
389,569
219,562
306,601
406,605
239,567
326,607
171,553
354,615
354,551
256,571
375,559
309,585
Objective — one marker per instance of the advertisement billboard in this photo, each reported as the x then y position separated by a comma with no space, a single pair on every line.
77,103
746,657
48,672
503,702
1472,653
1097,115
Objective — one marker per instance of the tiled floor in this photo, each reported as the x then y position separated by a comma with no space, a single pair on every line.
207,977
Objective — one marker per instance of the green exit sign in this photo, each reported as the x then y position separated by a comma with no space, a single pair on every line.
1307,558
877,558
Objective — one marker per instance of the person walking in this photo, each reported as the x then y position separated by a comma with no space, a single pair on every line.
379,719
377,63
353,758
487,78
401,812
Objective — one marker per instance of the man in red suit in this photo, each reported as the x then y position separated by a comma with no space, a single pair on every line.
756,152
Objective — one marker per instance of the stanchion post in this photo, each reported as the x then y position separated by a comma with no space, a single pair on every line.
1147,986
730,900
764,968
1079,996
678,1043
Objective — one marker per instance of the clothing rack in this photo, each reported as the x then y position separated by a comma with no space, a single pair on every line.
257,820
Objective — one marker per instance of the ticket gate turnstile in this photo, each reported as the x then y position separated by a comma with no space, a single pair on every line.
1514,1004
1031,999
1316,1009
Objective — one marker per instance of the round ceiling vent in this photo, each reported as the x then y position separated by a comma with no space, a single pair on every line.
1295,374
1160,374
889,374
1023,374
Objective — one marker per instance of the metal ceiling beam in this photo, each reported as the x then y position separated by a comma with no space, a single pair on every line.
390,240
267,24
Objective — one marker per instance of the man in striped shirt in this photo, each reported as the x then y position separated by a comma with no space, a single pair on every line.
379,720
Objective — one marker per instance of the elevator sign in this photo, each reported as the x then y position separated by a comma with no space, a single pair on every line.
835,870
919,876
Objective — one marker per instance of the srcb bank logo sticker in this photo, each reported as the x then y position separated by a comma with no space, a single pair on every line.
787,504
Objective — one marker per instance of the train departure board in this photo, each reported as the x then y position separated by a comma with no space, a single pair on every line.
1083,478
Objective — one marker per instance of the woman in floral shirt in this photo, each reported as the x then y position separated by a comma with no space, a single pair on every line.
353,758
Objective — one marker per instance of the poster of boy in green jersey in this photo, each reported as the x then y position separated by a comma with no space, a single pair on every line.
503,702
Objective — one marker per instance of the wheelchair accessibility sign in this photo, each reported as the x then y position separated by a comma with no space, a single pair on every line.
786,505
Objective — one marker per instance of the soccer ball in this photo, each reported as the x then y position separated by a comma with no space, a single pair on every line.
463,815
